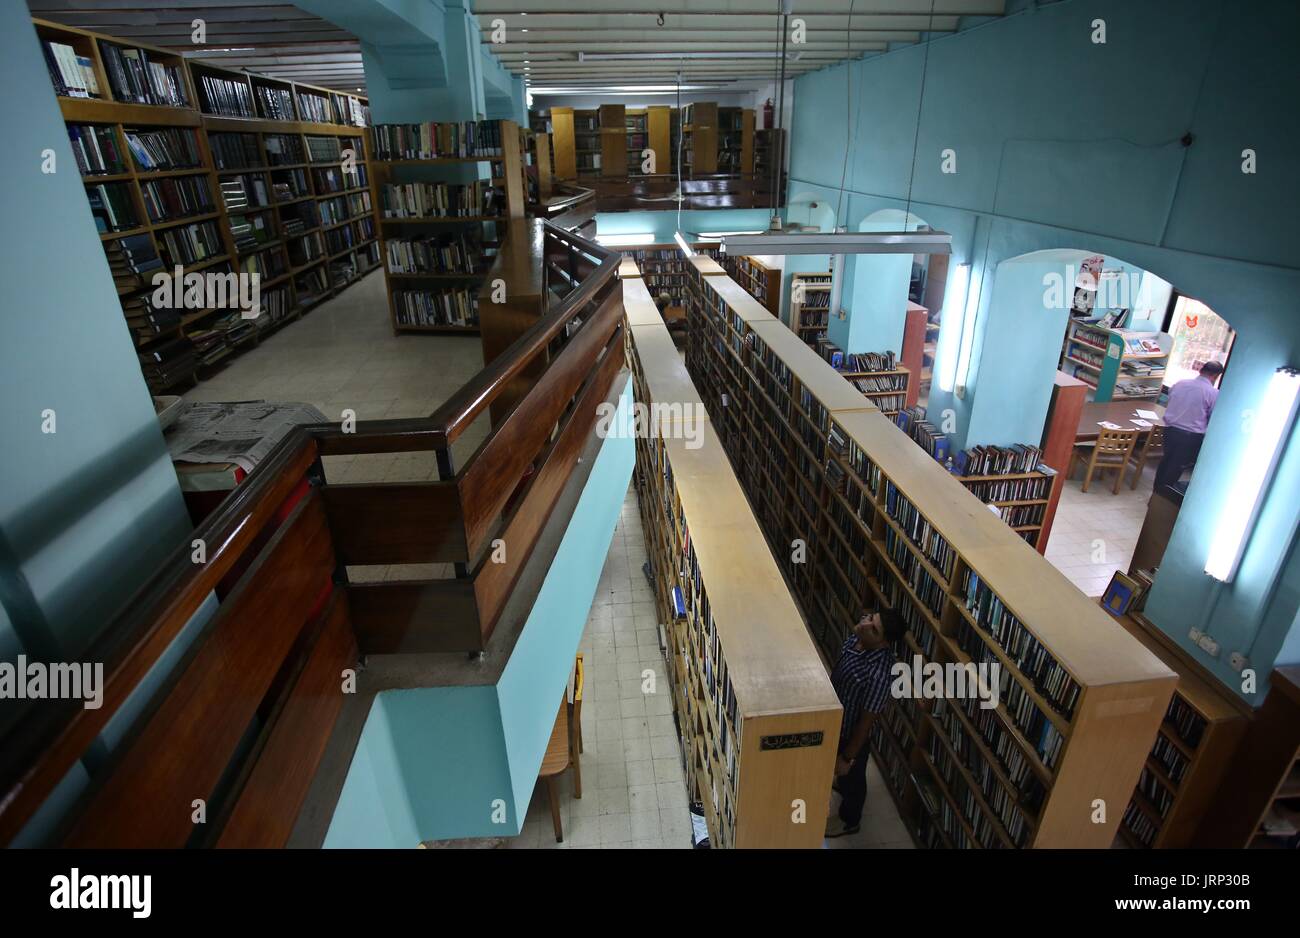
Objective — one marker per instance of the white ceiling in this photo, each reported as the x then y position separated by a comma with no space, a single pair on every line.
727,44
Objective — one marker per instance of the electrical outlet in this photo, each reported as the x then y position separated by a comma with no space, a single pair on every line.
1237,661
1195,635
1209,646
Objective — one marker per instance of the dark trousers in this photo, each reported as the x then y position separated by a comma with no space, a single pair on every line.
853,790
1181,449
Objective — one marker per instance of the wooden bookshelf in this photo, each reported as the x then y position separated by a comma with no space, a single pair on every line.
810,296
821,465
500,172
760,276
769,157
218,332
661,122
1179,791
663,268
562,145
699,131
736,140
757,718
588,142
613,140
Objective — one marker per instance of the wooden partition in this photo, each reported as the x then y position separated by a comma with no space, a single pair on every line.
758,719
885,525
243,722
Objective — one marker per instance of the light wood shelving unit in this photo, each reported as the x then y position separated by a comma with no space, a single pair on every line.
757,718
760,276
1105,360
505,173
884,525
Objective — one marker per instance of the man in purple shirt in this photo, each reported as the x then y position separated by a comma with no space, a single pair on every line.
1191,401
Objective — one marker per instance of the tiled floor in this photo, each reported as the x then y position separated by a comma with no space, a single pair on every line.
343,355
1094,534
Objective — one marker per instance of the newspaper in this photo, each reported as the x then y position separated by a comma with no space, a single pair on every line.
242,433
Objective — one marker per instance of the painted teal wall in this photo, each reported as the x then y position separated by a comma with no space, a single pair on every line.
433,761
1056,150
86,513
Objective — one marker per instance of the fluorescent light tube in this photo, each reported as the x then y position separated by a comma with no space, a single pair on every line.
840,242
619,240
681,243
1255,467
950,327
673,56
967,347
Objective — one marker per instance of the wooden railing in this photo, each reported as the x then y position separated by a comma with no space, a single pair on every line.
240,730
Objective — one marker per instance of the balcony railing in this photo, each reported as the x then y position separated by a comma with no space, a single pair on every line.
244,723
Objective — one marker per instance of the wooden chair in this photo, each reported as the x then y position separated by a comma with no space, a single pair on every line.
1111,450
1153,447
564,748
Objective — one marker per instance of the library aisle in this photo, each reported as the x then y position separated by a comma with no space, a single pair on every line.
634,789
1095,532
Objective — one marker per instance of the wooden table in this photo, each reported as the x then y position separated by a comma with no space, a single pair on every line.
1116,412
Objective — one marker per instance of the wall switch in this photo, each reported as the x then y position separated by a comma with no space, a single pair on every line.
1195,635
1209,646
1237,661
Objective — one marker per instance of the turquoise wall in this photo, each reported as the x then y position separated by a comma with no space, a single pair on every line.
433,761
88,512
663,225
1055,150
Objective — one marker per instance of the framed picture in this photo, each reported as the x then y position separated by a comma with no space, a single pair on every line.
1119,596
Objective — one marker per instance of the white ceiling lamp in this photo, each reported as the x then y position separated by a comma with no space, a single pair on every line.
681,243
676,56
839,242
624,240
1270,429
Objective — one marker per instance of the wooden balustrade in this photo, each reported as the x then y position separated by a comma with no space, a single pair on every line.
244,720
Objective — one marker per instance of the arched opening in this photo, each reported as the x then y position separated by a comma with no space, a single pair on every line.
1078,353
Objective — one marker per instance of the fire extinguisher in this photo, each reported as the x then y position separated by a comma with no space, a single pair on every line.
767,115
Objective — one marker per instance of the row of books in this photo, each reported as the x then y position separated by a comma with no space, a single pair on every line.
1033,659
998,460
440,200
250,231
95,149
273,103
998,797
431,140
443,253
180,197
314,107
326,149
235,150
1186,722
72,75
164,149
919,530
926,588
334,179
190,244
1019,516
1155,791
284,149
225,96
963,800
138,77
111,207
245,191
456,307
925,434
1013,490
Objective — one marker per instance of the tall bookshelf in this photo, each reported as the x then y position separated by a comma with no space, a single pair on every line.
760,276
769,157
756,716
192,169
699,129
431,228
613,141
587,137
1194,747
885,525
736,140
1117,364
810,306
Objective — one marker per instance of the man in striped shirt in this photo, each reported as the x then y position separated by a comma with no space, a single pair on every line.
861,680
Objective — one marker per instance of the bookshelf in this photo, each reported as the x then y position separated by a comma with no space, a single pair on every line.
877,375
613,141
562,143
1194,747
735,140
663,268
810,306
431,229
769,157
637,133
699,138
884,524
1117,364
588,144
760,276
757,718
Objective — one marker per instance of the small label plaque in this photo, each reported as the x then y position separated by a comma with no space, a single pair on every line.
790,741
